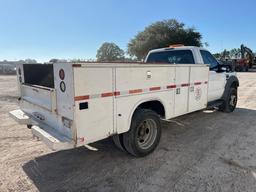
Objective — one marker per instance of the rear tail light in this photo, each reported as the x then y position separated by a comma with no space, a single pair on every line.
62,74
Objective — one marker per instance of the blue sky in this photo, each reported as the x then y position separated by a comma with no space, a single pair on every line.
45,29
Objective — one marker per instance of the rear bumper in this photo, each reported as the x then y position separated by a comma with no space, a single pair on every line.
20,117
51,137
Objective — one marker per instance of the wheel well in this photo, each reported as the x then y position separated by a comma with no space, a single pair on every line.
155,106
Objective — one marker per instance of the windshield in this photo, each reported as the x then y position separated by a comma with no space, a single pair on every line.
172,57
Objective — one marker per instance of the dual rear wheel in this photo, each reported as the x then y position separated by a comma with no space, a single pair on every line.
144,134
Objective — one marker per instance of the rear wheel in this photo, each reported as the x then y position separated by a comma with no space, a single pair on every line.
144,134
229,104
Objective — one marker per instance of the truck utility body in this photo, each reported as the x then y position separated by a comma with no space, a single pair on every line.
69,105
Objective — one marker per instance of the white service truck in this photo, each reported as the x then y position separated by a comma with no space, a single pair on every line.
69,105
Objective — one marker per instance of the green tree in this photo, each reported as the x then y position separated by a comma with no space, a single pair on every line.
229,54
30,61
217,55
109,52
206,44
54,60
225,54
162,34
235,53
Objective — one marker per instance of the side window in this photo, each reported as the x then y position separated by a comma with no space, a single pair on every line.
209,59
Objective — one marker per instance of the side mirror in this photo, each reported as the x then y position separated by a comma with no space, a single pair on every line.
225,68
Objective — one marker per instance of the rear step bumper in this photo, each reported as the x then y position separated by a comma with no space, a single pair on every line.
51,137
20,117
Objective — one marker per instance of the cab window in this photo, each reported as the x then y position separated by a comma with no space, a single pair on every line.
172,57
209,59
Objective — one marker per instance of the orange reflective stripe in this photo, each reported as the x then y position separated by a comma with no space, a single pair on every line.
135,91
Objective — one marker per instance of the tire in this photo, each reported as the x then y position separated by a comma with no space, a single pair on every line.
118,141
230,102
144,134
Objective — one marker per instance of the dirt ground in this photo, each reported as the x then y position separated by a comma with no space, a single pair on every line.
202,151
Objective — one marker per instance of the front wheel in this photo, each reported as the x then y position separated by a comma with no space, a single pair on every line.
230,102
144,134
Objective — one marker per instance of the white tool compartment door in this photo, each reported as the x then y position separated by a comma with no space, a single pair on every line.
181,93
94,103
198,88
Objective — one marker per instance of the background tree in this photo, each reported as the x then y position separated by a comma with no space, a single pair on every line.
30,61
162,34
225,54
109,52
54,60
217,55
235,53
206,44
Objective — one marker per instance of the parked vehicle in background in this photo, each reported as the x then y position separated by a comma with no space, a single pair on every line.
73,104
247,56
243,60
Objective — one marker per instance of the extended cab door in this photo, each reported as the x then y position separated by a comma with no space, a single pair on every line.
217,80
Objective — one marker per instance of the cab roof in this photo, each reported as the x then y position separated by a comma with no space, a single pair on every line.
176,48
